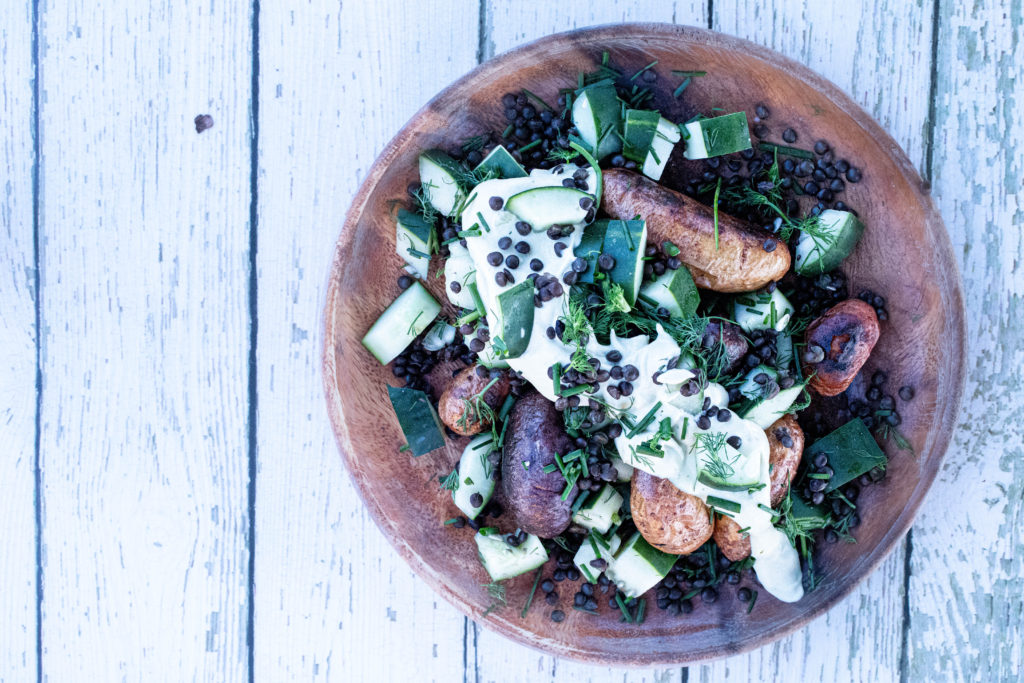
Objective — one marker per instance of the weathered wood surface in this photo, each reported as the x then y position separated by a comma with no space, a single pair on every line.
145,319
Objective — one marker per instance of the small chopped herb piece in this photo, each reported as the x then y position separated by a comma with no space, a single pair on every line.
682,87
529,598
718,189
649,66
723,505
689,74
788,151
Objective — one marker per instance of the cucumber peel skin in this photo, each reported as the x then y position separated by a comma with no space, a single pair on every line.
766,411
676,291
501,160
851,450
419,421
638,130
726,134
439,175
401,322
816,254
543,207
502,561
597,113
516,310
413,234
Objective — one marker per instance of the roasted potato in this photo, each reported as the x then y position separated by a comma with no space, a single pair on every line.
733,543
534,497
671,520
784,459
746,257
838,344
730,336
461,410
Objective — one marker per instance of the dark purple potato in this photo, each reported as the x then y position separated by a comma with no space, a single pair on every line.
731,336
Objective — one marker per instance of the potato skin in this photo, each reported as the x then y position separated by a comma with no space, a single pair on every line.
731,337
733,544
669,519
739,264
846,333
453,408
533,496
784,461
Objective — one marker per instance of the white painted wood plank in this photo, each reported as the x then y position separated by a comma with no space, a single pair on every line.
507,24
333,599
18,364
145,336
883,60
967,564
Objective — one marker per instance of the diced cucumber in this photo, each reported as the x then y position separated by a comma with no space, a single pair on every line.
837,234
502,561
762,311
625,241
742,466
675,291
623,470
597,114
601,511
476,475
595,546
638,129
664,142
590,248
708,138
851,451
417,418
543,207
515,319
751,389
489,357
766,411
440,335
638,566
439,175
784,354
501,161
413,241
459,267
401,323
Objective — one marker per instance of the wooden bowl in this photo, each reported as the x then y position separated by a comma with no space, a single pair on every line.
905,255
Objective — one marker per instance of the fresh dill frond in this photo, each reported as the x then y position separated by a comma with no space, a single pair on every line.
451,482
715,460
496,591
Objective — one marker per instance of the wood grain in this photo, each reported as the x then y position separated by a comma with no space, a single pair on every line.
145,336
332,598
18,364
966,606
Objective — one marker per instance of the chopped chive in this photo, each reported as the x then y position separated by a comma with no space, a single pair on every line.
583,464
468,318
723,505
689,74
404,448
506,407
477,300
511,127
417,253
718,188
788,151
695,592
483,222
584,609
556,375
529,599
753,599
536,99
626,616
818,475
644,421
550,468
682,86
640,611
451,521
578,389
413,323
472,232
652,64
578,503
526,148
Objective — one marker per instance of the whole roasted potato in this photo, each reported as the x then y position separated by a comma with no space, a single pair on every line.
733,543
744,258
730,336
671,520
460,405
838,344
534,497
787,447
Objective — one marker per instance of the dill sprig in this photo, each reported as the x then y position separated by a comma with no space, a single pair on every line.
710,446
496,591
577,332
451,482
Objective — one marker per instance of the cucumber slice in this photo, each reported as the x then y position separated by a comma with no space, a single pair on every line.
601,511
784,353
751,389
476,475
638,566
625,241
839,233
623,470
590,248
501,161
766,411
515,319
597,114
418,420
595,546
439,175
413,241
502,561
762,311
543,207
459,267
721,466
638,129
439,336
708,138
401,322
851,451
664,142
674,291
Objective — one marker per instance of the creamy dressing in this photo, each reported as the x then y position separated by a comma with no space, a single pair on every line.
656,387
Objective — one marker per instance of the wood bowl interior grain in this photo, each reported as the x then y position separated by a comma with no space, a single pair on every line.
905,255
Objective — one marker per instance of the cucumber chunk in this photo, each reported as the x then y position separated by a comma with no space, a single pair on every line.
501,161
638,129
459,267
597,114
664,142
476,475
638,566
721,466
839,233
625,241
708,138
595,546
762,311
418,420
784,353
502,561
766,411
543,207
414,239
851,451
751,389
439,175
515,319
401,322
601,511
590,247
675,291
440,335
